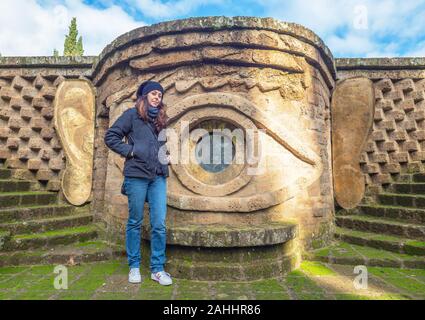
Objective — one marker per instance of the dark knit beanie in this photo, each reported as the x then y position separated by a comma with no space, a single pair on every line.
147,87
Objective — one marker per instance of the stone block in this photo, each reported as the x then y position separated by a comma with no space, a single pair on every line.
47,113
400,157
37,123
46,154
411,146
398,135
47,133
12,143
24,154
17,103
4,132
44,175
418,135
15,123
378,136
35,144
39,103
56,164
18,83
25,133
26,113
397,115
391,168
389,146
40,82
5,114
7,93
407,105
396,95
409,125
48,93
418,96
34,164
29,93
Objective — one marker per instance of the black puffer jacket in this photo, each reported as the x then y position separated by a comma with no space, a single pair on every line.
143,144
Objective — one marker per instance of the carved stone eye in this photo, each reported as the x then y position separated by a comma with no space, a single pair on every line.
215,150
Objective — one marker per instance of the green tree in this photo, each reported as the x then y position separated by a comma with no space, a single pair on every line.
72,47
55,53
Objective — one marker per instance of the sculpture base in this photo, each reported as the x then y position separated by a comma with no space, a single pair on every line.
228,253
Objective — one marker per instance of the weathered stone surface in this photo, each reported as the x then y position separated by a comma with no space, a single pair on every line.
222,235
352,119
74,122
276,83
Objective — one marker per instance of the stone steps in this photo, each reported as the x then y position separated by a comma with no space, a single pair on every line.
75,253
378,241
408,188
5,173
411,215
9,185
35,228
24,213
50,238
47,224
27,198
381,226
418,177
403,200
354,255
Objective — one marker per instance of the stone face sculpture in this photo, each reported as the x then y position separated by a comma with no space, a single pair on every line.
74,123
268,108
352,119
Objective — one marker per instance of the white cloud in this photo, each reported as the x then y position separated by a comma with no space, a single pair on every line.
29,29
158,9
390,23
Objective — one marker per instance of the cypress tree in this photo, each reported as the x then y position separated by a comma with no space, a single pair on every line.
71,46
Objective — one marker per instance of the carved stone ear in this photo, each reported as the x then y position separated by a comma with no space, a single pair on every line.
74,123
353,109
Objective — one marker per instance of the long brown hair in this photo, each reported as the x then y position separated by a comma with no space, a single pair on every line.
142,109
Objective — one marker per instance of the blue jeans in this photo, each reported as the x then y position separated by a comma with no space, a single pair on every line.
156,191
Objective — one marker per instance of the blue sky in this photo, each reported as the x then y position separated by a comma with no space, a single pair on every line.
350,28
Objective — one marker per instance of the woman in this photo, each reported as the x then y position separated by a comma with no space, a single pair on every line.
145,176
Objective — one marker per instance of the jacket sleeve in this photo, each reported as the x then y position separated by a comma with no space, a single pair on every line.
115,134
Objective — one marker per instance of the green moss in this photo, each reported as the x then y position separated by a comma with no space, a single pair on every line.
316,269
12,270
303,287
61,232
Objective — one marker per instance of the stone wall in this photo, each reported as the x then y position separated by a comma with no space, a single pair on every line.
396,145
28,142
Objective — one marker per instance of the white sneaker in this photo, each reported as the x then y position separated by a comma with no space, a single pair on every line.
134,276
162,277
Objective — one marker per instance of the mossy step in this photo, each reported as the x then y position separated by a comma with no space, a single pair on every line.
382,226
4,237
5,173
235,271
48,224
88,251
410,188
23,213
385,242
26,198
419,177
351,254
9,185
412,215
51,238
403,200
220,235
